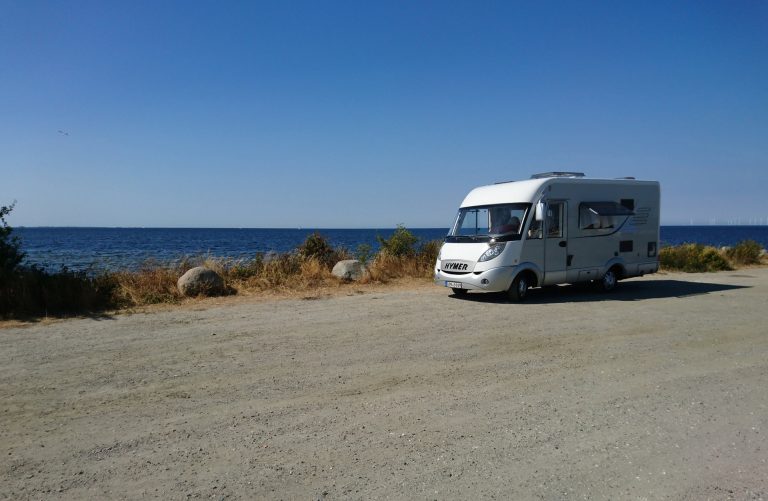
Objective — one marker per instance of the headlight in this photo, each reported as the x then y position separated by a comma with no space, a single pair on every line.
493,251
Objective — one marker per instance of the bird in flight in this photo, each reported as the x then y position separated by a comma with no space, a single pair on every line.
63,133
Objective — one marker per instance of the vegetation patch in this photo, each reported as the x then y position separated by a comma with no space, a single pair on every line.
745,253
30,291
693,258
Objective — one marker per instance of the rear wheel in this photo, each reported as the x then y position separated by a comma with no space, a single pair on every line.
518,291
609,280
459,292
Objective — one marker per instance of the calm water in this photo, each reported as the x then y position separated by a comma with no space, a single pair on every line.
128,248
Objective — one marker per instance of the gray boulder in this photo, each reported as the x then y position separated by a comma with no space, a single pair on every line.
201,281
349,269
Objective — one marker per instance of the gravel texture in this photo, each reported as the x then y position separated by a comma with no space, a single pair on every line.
658,390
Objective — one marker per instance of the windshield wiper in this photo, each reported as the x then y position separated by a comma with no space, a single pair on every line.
470,238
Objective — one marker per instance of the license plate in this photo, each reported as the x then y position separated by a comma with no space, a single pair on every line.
453,285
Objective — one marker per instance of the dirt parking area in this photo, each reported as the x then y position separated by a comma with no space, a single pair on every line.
658,390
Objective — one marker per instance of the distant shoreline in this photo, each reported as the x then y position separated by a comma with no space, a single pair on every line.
86,248
312,228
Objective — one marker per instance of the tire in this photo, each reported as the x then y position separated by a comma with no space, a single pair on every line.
518,291
460,292
608,281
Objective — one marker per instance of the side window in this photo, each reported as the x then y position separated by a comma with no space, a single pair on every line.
555,220
589,219
604,217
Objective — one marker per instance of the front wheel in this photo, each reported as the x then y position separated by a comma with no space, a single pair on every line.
518,291
609,280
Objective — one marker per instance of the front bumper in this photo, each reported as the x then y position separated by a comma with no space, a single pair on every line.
493,280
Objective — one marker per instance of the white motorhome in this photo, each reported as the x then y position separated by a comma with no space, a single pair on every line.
557,227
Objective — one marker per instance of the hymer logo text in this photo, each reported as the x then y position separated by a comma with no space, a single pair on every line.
455,266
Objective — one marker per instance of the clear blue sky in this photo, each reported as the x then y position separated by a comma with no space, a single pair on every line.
369,114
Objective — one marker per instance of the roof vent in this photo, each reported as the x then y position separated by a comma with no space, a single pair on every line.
557,174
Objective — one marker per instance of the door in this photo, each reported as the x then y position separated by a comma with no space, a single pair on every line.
555,243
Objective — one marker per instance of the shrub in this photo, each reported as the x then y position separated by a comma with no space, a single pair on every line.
745,252
428,254
316,246
386,266
401,243
32,291
10,246
692,258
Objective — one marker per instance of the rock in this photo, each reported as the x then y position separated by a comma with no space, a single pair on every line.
200,281
349,269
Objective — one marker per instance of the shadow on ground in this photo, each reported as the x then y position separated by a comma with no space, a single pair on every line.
34,319
625,291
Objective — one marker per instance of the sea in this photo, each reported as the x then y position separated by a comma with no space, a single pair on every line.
102,249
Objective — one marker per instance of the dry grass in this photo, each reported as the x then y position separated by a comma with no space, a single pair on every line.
295,272
387,266
146,286
747,252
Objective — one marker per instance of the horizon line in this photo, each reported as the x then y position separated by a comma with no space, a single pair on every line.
308,228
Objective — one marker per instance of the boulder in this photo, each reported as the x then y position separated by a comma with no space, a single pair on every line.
201,281
349,269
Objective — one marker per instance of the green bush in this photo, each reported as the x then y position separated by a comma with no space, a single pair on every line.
692,258
401,243
317,246
10,246
33,292
745,252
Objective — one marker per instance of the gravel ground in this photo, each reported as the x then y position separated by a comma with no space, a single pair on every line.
658,390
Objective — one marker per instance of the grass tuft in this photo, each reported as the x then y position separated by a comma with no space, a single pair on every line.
419,263
150,285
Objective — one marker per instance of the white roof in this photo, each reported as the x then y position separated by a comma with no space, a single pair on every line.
517,191
530,190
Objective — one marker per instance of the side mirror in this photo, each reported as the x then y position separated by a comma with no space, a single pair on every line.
540,211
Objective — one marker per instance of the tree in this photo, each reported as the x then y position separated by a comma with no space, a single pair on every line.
10,246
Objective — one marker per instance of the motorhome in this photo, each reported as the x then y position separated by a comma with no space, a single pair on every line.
555,228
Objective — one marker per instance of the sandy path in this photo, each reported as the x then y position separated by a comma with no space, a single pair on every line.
658,390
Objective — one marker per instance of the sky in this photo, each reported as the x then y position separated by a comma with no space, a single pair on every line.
349,114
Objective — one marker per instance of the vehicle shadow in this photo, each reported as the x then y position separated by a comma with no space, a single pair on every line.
625,291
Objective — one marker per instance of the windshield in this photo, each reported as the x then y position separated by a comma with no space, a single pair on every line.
500,222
